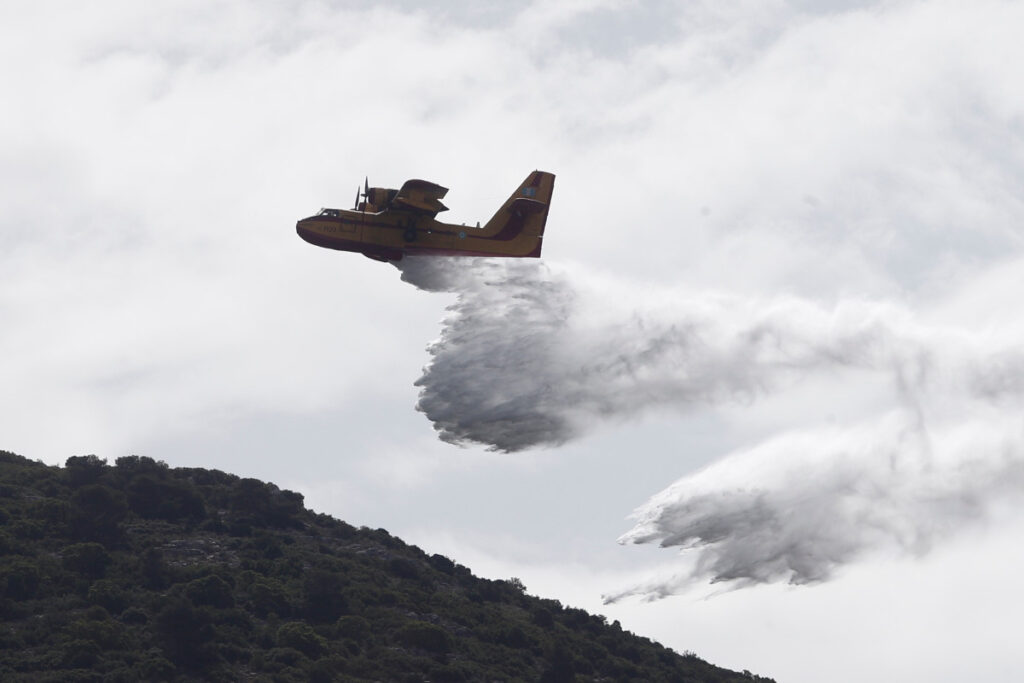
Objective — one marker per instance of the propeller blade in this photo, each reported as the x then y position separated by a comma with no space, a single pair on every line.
355,207
367,190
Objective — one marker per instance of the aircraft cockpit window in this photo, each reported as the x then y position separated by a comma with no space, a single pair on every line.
333,213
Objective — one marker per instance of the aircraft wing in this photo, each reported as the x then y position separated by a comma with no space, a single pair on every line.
421,196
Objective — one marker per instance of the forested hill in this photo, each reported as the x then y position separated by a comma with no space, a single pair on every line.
139,572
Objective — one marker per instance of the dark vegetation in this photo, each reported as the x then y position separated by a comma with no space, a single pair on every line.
136,571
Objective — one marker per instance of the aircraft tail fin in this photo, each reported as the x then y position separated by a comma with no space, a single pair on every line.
521,219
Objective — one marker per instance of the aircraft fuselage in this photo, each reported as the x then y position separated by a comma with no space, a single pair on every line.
516,230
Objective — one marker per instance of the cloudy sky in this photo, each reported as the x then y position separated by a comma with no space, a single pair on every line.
760,400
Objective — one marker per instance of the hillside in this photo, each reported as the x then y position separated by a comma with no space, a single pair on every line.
137,571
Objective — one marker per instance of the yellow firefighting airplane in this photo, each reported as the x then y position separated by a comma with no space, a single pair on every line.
388,224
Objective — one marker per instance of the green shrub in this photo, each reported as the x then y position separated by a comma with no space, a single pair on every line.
442,564
403,568
155,668
285,656
87,559
323,599
154,498
425,636
79,654
301,636
83,469
22,579
108,594
96,513
185,634
268,596
134,616
210,590
353,627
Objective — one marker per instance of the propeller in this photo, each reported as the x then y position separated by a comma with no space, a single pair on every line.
365,193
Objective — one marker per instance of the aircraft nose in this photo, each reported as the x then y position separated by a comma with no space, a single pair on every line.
302,228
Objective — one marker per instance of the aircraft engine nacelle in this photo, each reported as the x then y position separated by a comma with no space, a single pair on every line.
380,197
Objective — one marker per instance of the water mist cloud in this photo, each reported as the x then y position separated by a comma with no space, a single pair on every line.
533,355
798,507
